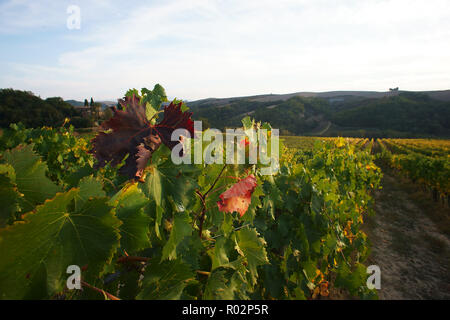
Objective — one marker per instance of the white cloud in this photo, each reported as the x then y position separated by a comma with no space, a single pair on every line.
198,49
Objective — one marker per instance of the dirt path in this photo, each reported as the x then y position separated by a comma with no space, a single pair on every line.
410,248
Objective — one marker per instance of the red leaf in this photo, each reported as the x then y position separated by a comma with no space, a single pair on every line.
238,197
142,157
128,129
131,133
174,119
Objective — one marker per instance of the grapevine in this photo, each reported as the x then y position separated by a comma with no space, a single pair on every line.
141,227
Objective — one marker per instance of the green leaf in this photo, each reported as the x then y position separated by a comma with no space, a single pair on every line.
158,90
153,186
56,236
30,176
219,255
309,269
130,203
266,126
252,247
8,171
219,287
9,199
247,122
254,204
351,280
273,281
190,250
159,213
166,280
181,228
130,284
166,183
150,112
153,99
89,187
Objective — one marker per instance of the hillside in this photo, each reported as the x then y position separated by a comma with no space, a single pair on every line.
345,113
338,113
23,106
442,95
75,103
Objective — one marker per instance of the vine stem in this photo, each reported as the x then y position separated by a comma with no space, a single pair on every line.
203,197
215,181
218,189
109,295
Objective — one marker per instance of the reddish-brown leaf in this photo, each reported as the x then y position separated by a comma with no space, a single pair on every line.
174,119
238,197
129,132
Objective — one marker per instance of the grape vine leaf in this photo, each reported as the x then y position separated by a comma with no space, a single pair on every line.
173,119
273,280
252,247
130,283
130,203
247,123
88,187
190,250
51,238
30,176
181,228
154,97
165,280
238,197
352,280
219,287
159,211
220,254
129,132
9,199
255,203
150,113
167,183
121,136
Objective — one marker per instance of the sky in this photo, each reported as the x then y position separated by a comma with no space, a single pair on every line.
199,49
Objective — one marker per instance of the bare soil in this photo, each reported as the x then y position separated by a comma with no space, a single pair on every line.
410,241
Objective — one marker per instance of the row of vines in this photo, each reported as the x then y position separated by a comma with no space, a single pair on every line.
425,162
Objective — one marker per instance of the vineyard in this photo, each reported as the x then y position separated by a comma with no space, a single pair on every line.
425,162
141,227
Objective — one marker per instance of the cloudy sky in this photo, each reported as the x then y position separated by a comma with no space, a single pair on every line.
198,49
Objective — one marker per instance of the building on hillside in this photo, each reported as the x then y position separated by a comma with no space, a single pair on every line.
85,110
393,92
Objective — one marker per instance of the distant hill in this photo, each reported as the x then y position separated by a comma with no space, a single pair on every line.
23,106
442,95
345,113
75,103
